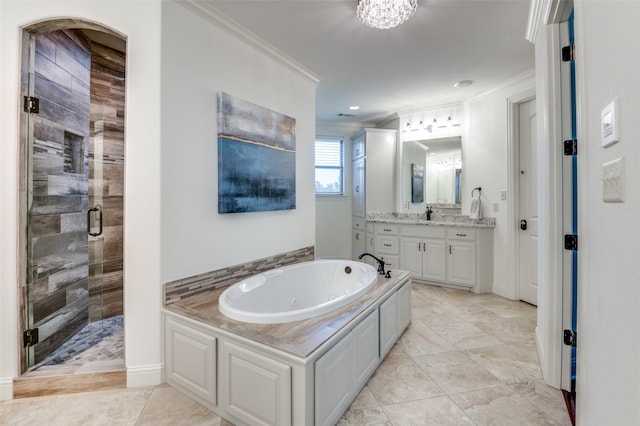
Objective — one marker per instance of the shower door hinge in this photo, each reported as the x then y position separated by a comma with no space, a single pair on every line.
571,147
570,337
31,104
30,337
571,242
569,53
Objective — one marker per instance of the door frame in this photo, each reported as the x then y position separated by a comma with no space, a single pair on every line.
27,31
513,183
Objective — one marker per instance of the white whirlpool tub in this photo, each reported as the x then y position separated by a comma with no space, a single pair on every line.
297,292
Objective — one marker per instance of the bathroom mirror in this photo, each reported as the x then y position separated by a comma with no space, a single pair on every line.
440,164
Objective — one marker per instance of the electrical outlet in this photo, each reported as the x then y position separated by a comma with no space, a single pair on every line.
496,207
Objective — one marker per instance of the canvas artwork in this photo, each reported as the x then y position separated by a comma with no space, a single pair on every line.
256,157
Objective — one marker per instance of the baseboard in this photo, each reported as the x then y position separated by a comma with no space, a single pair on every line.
145,375
6,388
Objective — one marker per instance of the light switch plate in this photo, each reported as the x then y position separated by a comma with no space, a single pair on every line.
503,194
610,124
613,181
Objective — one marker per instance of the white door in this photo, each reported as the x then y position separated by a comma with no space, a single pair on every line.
528,206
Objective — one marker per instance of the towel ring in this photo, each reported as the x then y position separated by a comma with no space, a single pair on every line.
479,189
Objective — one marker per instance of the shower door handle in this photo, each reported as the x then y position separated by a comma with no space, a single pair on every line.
98,213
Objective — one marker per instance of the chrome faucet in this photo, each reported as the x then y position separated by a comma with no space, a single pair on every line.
380,263
428,212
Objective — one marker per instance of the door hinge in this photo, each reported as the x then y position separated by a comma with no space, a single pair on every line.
31,104
30,337
570,337
569,53
571,242
571,147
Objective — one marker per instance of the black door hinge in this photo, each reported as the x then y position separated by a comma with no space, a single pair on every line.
571,147
30,337
570,337
569,53
571,242
31,104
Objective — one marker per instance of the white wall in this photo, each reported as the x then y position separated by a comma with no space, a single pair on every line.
608,352
199,60
333,213
485,163
171,224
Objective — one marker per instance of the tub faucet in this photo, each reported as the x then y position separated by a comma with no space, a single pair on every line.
380,262
428,212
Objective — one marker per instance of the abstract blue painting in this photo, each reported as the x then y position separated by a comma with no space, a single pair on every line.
256,157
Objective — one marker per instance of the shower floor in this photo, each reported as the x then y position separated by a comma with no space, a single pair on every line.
97,347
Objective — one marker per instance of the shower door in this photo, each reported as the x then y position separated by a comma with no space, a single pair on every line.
64,210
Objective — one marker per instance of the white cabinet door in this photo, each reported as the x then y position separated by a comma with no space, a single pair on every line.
358,237
434,260
404,306
365,349
190,357
334,383
388,324
358,192
411,255
462,263
254,388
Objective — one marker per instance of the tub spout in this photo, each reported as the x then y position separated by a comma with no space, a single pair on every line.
380,262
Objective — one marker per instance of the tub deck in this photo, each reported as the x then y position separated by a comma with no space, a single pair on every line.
298,338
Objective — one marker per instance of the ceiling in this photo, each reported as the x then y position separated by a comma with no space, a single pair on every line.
385,71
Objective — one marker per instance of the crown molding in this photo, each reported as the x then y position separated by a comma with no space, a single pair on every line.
210,14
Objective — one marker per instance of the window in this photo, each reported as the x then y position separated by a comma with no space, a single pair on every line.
329,166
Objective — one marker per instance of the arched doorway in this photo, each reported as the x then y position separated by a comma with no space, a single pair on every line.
72,197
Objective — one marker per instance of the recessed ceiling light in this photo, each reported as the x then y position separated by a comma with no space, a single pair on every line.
463,83
354,107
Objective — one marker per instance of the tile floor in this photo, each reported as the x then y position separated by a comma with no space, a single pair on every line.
466,359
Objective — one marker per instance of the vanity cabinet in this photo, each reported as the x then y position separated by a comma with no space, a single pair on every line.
422,251
460,257
373,150
358,237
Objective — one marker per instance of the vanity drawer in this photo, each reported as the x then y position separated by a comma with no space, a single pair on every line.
426,231
461,234
386,229
390,262
386,244
358,223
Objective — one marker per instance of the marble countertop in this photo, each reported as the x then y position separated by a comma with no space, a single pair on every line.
299,338
459,221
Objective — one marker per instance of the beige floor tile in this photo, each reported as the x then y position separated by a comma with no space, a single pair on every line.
456,372
511,363
365,399
501,406
364,417
113,407
464,335
167,406
439,411
546,398
400,379
419,339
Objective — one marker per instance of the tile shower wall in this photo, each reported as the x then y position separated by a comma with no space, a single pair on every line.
57,253
106,180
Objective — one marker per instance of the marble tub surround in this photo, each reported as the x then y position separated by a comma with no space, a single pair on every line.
437,219
299,338
184,288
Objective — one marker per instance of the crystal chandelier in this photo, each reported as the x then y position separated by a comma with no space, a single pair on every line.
385,14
